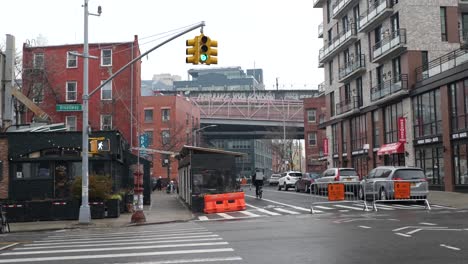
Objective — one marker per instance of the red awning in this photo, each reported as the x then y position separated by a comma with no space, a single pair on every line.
391,148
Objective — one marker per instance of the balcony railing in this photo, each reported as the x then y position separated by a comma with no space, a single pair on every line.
352,67
320,30
338,42
340,6
377,11
319,3
347,105
393,42
442,64
396,84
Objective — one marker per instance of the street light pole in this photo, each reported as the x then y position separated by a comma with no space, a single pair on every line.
198,130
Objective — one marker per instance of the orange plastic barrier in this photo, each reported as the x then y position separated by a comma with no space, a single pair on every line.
226,202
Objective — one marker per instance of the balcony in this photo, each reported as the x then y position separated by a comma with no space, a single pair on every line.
375,15
352,69
321,87
389,46
390,87
338,43
442,64
320,30
340,7
319,3
464,39
347,105
463,5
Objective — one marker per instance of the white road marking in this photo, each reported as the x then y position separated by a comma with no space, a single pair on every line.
349,207
118,240
288,205
123,255
119,237
122,243
400,234
249,213
224,215
158,231
8,246
200,260
343,211
385,207
263,210
366,227
449,247
324,207
429,224
413,231
286,211
112,248
441,206
202,218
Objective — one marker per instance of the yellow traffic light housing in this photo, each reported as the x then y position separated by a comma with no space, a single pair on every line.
192,50
93,146
207,50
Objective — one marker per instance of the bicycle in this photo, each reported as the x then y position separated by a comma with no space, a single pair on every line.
4,225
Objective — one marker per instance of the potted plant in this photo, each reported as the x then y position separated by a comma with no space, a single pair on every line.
113,206
99,189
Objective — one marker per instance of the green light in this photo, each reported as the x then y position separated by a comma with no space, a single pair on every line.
203,57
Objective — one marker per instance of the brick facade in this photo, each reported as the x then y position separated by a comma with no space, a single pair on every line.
4,179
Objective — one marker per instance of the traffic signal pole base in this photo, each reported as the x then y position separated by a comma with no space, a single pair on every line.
138,217
85,215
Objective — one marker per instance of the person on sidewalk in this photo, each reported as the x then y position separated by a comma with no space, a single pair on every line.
159,184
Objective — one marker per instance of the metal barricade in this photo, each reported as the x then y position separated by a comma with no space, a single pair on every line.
336,193
396,191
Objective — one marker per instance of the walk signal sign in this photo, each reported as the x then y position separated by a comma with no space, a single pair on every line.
97,145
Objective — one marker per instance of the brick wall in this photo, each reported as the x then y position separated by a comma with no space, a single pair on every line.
4,179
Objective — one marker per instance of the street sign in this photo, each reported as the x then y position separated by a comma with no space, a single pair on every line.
143,143
402,190
336,192
68,107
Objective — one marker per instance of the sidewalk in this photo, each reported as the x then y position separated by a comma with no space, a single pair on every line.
164,208
452,199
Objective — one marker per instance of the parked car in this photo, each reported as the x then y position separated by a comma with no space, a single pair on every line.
273,180
379,182
347,175
303,184
288,179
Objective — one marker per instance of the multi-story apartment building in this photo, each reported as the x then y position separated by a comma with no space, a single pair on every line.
53,78
376,111
314,114
170,122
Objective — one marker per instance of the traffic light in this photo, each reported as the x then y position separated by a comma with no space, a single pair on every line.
93,146
97,145
192,50
207,50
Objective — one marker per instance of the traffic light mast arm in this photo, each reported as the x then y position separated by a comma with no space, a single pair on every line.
201,24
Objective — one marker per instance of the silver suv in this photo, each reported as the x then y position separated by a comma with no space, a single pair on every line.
347,175
379,182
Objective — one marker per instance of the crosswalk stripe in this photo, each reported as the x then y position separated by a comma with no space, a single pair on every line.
286,211
203,218
349,207
249,213
323,207
156,231
121,237
176,261
117,240
112,248
263,210
224,215
121,255
119,244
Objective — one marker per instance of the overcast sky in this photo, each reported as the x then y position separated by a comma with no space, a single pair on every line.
277,36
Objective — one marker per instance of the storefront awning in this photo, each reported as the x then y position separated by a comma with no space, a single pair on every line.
391,148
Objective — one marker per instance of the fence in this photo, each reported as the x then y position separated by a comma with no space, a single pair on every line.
337,192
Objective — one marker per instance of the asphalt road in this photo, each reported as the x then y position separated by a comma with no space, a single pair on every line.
405,234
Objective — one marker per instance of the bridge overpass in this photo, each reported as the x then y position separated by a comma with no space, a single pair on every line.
252,114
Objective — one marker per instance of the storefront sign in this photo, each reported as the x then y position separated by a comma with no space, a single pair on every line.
428,140
402,129
460,135
325,146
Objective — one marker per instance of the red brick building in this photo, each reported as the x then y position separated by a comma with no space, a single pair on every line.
314,113
53,79
169,122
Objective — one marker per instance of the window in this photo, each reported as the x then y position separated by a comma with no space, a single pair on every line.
166,137
395,23
443,23
71,92
149,115
425,60
33,170
392,113
332,103
330,72
311,115
70,122
360,99
106,91
356,13
312,139
329,10
396,67
37,93
106,57
106,122
344,136
427,114
459,103
72,60
358,132
376,128
334,139
38,61
149,135
345,23
165,114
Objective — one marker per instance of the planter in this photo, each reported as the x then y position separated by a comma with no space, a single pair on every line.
198,203
40,210
98,210
65,210
122,206
113,208
16,212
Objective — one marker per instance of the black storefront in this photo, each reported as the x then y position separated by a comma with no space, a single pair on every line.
44,165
